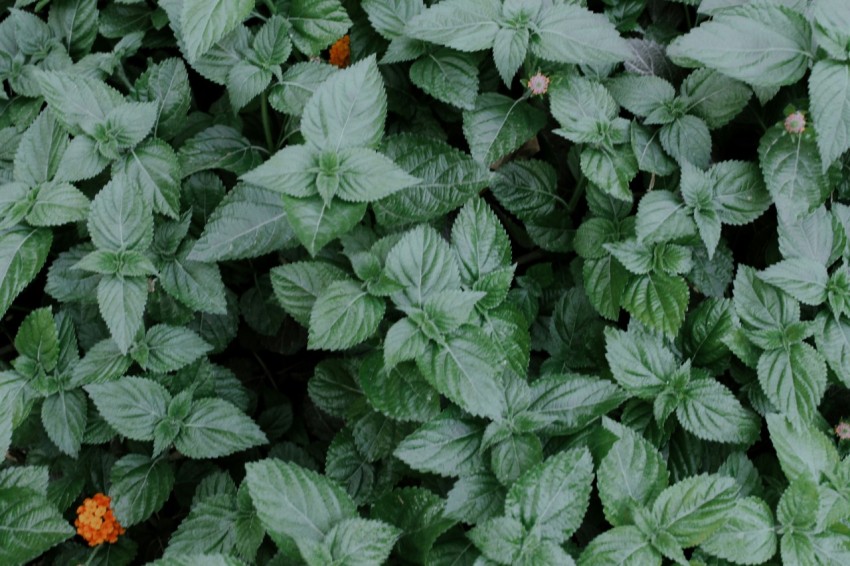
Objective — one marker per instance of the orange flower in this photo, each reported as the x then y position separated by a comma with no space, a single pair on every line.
95,521
340,54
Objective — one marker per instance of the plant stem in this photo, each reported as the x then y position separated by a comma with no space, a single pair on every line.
267,125
574,200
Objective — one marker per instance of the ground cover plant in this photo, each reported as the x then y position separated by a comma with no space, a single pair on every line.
468,282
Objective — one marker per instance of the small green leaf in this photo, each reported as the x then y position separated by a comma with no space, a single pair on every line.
694,508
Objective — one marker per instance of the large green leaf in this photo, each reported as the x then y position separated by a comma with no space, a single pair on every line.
567,33
343,316
140,487
466,25
216,428
131,405
829,90
694,508
23,252
499,125
794,379
763,44
446,445
657,300
29,525
448,76
204,23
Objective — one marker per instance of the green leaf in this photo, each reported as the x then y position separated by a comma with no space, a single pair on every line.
500,539
272,44
102,363
245,81
23,252
119,219
131,405
515,455
291,171
804,452
475,498
81,161
400,393
610,169
449,177
570,402
167,84
353,541
447,446
204,24
714,97
567,33
297,85
479,241
708,410
40,150
209,527
499,125
172,347
249,222
58,203
792,170
316,24
748,536
550,500
761,306
834,345
641,95
38,339
706,327
605,280
140,487
687,139
464,368
831,20
298,285
829,85
762,44
218,147
662,217
620,545
448,76
63,415
424,264
509,50
122,303
794,379
465,25
804,279
657,300
648,152
631,476
129,123
30,525
76,22
585,110
317,223
197,285
155,168
348,109
294,502
419,513
343,316
389,18
695,507
639,362
366,176
77,99
216,428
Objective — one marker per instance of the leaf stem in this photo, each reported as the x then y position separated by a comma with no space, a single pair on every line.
267,125
576,197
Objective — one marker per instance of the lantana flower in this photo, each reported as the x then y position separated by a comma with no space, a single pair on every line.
340,53
538,84
95,521
795,123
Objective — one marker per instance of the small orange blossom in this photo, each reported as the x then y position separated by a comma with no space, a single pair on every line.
340,54
95,521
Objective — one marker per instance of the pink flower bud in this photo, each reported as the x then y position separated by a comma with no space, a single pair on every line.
795,123
538,84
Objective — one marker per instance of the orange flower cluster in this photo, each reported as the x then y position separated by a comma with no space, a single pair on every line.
95,521
340,54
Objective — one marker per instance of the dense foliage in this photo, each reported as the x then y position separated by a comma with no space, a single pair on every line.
468,282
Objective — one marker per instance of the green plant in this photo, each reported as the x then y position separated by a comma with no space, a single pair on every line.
527,282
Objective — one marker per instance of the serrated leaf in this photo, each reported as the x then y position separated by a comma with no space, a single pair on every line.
317,223
249,222
550,500
122,303
694,508
632,474
367,176
571,401
209,527
708,410
40,150
460,24
657,300
792,171
343,316
565,33
620,545
30,525
356,541
297,86
479,241
794,379
464,368
316,24
476,498
131,405
78,99
298,285
119,219
829,85
804,453
63,415
769,45
218,147
76,22
748,537
216,428
58,203
171,348
140,487
155,168
419,513
804,279
195,284
348,109
761,306
499,125
294,502
448,76
714,97
204,23
447,446
23,252
687,139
